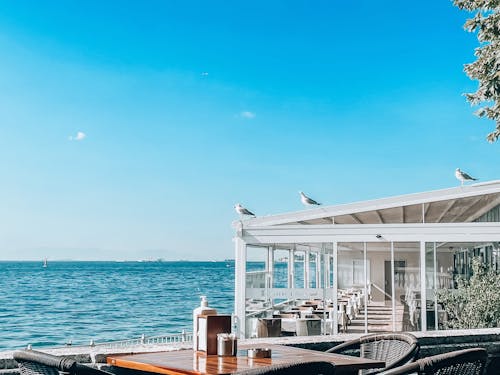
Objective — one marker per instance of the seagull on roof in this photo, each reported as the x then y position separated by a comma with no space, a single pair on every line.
242,210
307,201
462,176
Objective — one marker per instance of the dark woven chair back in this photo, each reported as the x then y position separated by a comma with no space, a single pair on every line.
395,349
302,368
32,362
33,368
460,362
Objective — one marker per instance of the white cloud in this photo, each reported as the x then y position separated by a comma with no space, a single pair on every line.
247,114
80,136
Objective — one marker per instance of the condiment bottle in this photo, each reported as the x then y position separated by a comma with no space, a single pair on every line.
203,309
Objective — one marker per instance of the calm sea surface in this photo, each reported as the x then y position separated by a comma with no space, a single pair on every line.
104,301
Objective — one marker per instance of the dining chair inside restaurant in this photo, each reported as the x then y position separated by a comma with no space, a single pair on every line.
268,327
460,362
308,327
33,362
343,319
299,368
395,349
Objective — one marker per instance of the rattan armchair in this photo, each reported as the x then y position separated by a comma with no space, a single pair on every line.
302,368
460,362
396,349
32,362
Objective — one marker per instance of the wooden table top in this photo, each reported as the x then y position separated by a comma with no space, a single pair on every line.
187,362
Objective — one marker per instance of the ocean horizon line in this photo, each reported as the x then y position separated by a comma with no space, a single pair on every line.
41,260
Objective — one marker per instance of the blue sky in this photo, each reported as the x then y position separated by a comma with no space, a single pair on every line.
189,107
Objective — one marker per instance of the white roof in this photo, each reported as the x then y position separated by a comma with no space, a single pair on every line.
458,204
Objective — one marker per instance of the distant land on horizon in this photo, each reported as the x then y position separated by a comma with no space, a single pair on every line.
121,260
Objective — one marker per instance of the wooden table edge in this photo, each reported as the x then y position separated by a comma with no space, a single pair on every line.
123,363
115,360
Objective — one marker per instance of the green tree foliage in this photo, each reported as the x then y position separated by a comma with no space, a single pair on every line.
486,69
476,302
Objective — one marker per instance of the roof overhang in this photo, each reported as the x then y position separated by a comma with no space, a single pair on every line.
473,200
438,232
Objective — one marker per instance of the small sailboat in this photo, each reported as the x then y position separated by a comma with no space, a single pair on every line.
45,263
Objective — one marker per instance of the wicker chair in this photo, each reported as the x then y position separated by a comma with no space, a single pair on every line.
32,362
302,368
460,362
396,349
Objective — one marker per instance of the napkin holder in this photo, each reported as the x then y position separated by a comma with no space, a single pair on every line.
208,328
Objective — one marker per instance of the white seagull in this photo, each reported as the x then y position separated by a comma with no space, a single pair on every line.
462,176
242,210
307,201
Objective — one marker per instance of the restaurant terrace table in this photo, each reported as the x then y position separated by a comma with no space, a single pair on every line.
187,362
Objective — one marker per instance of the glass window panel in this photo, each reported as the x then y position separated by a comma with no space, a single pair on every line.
314,269
298,262
351,286
454,260
407,286
271,296
443,279
379,308
280,269
257,299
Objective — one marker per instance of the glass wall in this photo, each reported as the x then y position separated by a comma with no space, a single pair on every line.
280,268
407,286
299,258
352,281
444,263
257,299
379,317
290,287
285,289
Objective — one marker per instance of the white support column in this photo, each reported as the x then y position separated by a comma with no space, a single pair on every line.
290,268
328,280
270,272
423,295
306,268
322,266
239,288
270,262
435,290
366,289
326,269
393,299
335,289
318,269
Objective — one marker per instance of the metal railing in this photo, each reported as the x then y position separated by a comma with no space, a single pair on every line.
181,338
172,339
381,291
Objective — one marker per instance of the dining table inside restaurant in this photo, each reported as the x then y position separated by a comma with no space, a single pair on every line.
188,362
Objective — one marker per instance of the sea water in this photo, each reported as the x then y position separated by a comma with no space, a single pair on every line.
103,301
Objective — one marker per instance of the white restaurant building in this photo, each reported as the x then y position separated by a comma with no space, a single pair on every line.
377,263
